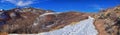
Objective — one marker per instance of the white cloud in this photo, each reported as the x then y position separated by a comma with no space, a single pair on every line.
19,2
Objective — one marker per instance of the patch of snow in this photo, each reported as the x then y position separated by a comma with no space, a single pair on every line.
85,27
47,11
41,17
35,24
46,14
12,15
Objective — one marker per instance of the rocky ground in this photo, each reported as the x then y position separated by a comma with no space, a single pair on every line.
32,20
107,22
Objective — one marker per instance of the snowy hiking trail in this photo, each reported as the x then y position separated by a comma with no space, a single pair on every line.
85,27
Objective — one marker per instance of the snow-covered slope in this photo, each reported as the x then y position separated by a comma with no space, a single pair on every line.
85,27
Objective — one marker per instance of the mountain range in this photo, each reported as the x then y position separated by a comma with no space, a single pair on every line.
33,21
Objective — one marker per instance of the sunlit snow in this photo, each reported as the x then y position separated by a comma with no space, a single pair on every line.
85,27
46,14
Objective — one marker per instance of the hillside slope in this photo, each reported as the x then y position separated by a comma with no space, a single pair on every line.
31,20
34,21
107,22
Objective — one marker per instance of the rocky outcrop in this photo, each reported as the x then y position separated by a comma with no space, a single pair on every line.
107,21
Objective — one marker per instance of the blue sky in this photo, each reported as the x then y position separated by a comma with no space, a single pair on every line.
61,5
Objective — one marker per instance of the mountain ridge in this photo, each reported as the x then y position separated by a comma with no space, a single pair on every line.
31,20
